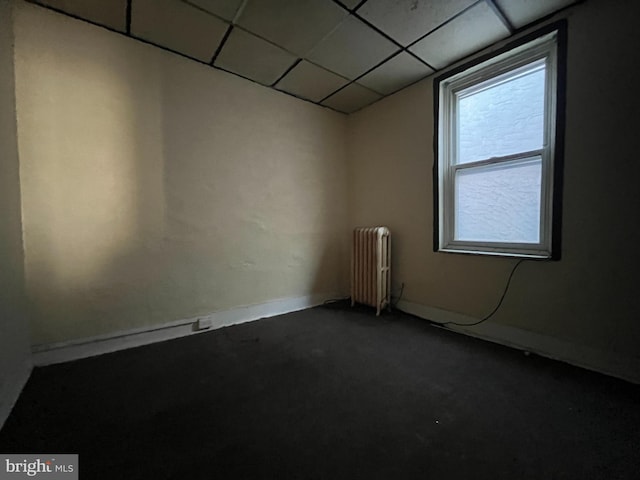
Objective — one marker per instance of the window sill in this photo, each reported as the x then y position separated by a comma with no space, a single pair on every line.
532,256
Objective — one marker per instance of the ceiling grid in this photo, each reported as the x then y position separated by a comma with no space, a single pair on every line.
342,54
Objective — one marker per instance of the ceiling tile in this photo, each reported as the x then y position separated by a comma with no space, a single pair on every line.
296,25
178,26
407,20
475,29
395,73
352,49
521,12
309,81
112,14
223,8
254,58
351,98
350,3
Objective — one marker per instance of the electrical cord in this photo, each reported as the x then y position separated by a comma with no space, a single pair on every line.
334,300
395,304
484,319
504,293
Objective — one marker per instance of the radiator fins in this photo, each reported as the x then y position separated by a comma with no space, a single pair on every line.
371,267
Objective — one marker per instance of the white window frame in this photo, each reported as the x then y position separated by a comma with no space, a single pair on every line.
542,50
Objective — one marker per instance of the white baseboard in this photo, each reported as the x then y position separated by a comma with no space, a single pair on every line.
12,388
49,354
609,363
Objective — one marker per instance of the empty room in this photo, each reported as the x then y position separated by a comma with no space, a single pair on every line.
319,239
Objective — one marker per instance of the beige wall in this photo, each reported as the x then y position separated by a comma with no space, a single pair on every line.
588,299
15,362
157,189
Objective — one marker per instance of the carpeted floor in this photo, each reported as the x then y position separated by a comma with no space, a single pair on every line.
329,393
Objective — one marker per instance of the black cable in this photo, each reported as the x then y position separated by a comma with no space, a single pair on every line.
399,296
504,293
334,300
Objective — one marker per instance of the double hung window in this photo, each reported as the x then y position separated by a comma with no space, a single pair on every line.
496,174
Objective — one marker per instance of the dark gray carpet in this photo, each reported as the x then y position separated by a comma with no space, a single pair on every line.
330,393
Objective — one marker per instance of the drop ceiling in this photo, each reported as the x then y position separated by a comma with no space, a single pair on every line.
342,54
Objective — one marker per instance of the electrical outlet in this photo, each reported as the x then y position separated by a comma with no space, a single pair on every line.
203,323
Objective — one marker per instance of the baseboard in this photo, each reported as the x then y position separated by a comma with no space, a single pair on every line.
609,363
12,388
49,354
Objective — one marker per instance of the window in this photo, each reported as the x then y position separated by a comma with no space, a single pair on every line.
497,174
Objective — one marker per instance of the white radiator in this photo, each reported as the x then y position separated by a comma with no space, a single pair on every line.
371,267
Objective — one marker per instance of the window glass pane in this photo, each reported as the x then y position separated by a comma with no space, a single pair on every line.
499,203
504,119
